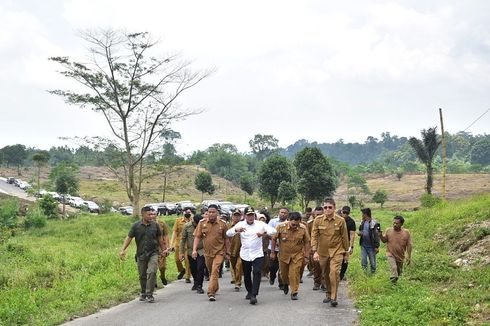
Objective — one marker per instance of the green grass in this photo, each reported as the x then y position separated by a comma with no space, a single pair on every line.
68,268
431,291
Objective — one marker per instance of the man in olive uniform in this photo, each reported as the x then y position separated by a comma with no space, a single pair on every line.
162,259
149,245
235,245
315,270
196,265
216,246
176,236
330,244
294,250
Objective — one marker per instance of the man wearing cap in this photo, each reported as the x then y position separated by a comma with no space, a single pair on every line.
251,232
149,245
176,236
351,232
196,265
212,231
235,261
294,241
330,244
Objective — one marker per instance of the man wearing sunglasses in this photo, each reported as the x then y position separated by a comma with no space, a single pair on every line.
330,244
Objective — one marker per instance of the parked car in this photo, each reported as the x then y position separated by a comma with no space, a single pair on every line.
226,208
92,206
24,185
241,207
10,180
75,202
126,210
171,208
205,204
185,204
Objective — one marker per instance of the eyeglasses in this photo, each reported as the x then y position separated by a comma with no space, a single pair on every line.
328,207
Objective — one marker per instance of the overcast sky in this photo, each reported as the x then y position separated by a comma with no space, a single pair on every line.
315,70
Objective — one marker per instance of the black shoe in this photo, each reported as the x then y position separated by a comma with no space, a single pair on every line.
142,297
237,289
187,280
253,299
327,300
220,275
181,274
334,303
248,296
150,298
323,288
285,288
294,296
194,287
164,281
316,287
212,298
281,287
301,280
199,290
271,281
232,282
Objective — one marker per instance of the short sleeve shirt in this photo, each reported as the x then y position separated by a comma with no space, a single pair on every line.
147,238
351,225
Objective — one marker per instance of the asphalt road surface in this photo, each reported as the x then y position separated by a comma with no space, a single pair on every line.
12,190
176,304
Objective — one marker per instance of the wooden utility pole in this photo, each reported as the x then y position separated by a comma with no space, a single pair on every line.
443,144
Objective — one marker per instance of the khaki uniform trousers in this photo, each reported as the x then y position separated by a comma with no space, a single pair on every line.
236,270
213,265
396,267
331,273
290,273
179,264
162,266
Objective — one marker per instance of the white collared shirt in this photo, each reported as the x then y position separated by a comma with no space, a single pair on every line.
251,243
274,223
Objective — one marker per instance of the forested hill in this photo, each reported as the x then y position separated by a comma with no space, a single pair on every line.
352,153
462,146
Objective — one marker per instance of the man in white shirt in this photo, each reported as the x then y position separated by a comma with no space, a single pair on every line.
251,232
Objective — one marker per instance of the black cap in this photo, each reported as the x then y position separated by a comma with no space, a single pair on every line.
249,210
237,212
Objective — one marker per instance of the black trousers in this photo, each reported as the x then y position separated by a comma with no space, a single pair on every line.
274,270
343,269
252,267
197,269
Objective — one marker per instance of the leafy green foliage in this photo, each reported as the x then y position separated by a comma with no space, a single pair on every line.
225,161
286,192
204,183
35,219
263,146
14,154
247,183
272,172
380,196
9,210
480,153
316,176
429,200
48,205
426,150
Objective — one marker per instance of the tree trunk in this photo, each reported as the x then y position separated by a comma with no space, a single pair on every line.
18,170
63,210
38,178
164,187
202,196
136,202
430,173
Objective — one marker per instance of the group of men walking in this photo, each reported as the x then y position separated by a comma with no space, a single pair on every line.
323,241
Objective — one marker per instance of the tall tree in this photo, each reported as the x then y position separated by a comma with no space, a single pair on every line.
16,155
316,176
272,172
286,192
135,92
480,153
168,163
204,183
263,146
426,149
247,184
64,177
41,158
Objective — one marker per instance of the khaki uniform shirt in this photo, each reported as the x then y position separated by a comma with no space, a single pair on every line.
164,227
235,244
329,236
213,235
397,243
178,228
292,242
187,239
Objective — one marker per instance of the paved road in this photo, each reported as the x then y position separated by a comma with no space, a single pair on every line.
178,305
13,190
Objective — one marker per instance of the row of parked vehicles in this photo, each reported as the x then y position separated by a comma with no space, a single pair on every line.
73,201
19,183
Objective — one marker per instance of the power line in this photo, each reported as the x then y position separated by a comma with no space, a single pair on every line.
476,120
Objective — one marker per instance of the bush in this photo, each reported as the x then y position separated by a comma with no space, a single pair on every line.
9,209
48,206
428,200
35,219
105,206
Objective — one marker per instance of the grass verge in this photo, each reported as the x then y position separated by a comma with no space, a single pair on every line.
432,291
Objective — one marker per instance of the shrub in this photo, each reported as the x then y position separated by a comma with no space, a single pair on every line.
35,219
9,209
105,206
48,206
428,200
380,196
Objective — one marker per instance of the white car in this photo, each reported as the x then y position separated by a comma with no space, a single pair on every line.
92,206
76,202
